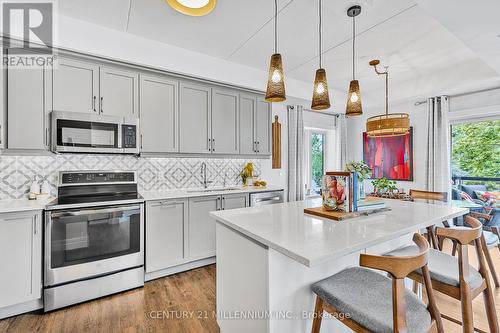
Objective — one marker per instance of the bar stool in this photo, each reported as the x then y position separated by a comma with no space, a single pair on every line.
376,303
455,277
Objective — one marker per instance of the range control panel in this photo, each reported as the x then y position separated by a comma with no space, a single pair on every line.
90,177
129,136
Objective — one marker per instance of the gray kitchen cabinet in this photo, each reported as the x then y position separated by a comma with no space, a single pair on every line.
195,118
255,125
201,227
225,119
159,114
165,233
232,201
27,108
75,86
248,105
20,258
119,92
263,127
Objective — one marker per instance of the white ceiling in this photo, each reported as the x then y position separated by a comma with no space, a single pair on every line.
423,56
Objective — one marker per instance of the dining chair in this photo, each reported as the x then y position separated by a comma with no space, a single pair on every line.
430,196
367,301
455,277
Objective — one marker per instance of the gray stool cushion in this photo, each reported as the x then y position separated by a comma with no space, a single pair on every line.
367,297
442,267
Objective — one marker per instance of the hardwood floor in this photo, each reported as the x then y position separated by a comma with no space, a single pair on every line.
179,303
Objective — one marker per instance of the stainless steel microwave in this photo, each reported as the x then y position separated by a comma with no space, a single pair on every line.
74,132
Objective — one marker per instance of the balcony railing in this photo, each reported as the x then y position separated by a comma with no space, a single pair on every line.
492,183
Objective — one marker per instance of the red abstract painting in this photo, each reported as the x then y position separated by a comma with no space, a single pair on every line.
390,157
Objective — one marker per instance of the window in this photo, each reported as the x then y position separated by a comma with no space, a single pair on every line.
315,147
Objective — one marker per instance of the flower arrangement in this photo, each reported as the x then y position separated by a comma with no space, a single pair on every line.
361,168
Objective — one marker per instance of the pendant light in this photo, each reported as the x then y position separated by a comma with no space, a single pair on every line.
276,81
353,107
321,98
388,124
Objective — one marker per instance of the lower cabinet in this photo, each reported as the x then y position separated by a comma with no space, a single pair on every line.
180,232
21,278
165,230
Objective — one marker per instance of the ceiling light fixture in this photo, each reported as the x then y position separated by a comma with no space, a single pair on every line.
276,81
388,124
353,107
193,7
321,97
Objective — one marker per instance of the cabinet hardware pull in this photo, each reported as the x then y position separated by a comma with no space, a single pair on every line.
1,136
102,98
47,138
93,104
209,144
34,224
213,144
141,141
258,146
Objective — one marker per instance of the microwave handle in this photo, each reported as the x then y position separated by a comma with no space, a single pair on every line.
93,211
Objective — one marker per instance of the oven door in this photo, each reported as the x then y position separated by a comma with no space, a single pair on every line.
84,243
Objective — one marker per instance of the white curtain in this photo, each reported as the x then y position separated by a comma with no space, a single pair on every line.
295,153
340,141
437,173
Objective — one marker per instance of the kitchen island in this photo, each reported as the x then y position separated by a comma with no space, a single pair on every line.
268,257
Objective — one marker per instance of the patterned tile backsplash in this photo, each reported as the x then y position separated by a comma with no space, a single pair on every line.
154,173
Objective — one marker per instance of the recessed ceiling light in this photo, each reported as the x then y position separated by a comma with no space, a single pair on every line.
193,7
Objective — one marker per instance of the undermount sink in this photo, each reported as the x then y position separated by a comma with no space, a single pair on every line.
213,190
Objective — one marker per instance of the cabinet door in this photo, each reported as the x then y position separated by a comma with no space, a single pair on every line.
194,116
225,117
119,91
233,201
201,228
27,119
165,233
159,115
247,123
75,86
263,127
21,280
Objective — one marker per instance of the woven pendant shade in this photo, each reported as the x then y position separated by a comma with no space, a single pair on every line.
321,98
276,81
391,124
353,107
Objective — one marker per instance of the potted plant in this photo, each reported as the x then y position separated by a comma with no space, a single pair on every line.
384,185
363,172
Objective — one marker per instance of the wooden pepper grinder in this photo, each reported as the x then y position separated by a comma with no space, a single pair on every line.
276,144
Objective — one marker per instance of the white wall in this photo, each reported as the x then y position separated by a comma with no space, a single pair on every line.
465,108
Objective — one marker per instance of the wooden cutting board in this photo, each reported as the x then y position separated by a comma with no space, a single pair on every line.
339,216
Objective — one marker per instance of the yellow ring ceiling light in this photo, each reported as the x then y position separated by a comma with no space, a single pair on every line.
192,7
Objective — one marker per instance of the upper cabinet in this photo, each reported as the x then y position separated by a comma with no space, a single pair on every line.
27,108
118,92
255,125
195,118
81,86
159,112
225,117
75,86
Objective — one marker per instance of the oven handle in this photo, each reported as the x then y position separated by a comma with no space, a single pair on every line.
93,211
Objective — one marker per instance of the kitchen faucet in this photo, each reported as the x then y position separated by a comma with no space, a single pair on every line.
205,182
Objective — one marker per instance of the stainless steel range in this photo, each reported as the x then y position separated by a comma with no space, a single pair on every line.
94,237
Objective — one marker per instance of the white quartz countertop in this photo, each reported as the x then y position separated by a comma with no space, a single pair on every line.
20,205
312,240
188,193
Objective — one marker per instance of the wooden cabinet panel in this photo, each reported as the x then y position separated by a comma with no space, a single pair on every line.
232,201
21,280
247,122
194,117
119,91
225,117
263,127
75,86
165,233
159,114
201,229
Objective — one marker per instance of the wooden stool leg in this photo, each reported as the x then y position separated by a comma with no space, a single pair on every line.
491,265
318,315
466,303
489,304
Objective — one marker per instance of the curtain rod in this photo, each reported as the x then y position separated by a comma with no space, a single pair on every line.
417,103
